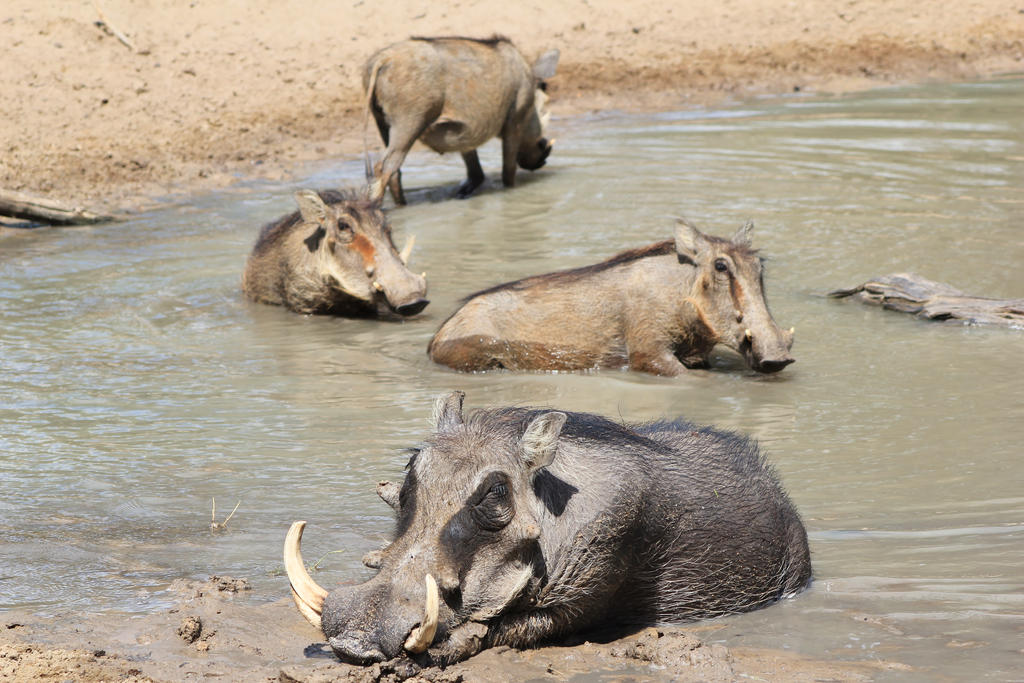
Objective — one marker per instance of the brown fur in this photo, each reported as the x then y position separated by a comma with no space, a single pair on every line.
454,94
364,248
659,309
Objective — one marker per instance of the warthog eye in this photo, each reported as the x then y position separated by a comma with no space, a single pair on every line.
493,510
345,231
721,266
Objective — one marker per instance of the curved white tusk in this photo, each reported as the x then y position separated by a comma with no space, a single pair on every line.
378,286
551,142
308,595
748,334
423,275
792,331
423,635
407,249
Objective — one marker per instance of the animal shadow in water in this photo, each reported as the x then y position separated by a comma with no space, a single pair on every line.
448,192
728,362
318,651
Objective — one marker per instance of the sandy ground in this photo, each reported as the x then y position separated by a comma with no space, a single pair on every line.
211,91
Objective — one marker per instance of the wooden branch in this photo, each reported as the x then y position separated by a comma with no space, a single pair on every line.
910,293
113,29
18,205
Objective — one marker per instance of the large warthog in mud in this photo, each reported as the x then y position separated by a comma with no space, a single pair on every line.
334,255
518,525
658,309
455,94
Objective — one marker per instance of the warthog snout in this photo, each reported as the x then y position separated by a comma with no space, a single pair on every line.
412,308
771,353
352,647
770,366
399,291
538,157
381,618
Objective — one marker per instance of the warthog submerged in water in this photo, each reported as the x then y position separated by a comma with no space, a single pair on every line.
658,309
455,94
334,255
519,525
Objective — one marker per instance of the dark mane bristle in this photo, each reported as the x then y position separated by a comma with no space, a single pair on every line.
273,232
491,42
574,274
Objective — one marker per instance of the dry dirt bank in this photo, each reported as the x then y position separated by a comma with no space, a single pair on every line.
211,91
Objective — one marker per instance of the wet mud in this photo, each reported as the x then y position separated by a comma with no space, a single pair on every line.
215,631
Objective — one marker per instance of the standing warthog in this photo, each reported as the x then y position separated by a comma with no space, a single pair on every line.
658,309
455,94
334,255
518,525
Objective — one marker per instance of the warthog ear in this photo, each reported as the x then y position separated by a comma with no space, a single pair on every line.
447,412
311,207
388,492
689,241
544,67
540,441
742,237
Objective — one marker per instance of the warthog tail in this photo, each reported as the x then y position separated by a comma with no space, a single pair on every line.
370,88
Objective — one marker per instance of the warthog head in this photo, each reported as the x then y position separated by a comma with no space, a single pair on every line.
466,546
351,245
728,293
534,148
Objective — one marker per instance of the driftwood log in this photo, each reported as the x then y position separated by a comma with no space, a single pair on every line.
910,293
18,205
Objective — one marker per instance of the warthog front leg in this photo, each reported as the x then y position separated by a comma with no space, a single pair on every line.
658,363
651,352
509,162
474,175
462,643
388,172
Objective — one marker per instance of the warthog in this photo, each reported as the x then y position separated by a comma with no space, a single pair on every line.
519,525
334,255
455,94
658,309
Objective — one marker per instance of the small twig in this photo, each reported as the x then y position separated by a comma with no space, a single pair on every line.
113,29
214,524
315,567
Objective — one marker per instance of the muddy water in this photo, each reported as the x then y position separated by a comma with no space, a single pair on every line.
136,385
